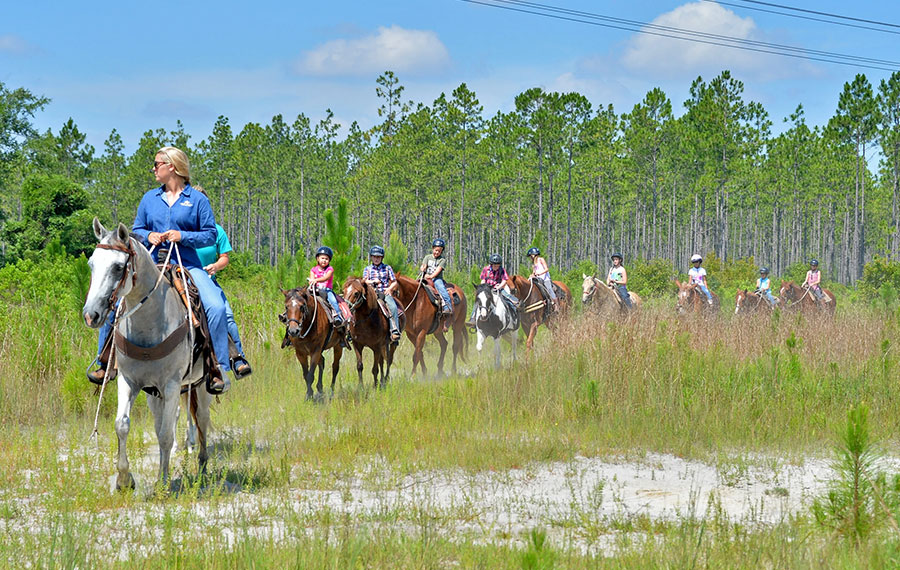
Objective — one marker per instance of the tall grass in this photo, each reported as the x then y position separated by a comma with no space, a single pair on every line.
653,382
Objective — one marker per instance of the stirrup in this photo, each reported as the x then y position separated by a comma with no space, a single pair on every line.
220,387
241,367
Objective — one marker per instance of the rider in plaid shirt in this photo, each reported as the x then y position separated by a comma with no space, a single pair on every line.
381,277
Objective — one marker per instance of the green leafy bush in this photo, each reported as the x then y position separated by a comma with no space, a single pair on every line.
650,278
876,273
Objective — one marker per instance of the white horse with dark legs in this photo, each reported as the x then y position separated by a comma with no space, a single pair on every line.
494,319
154,344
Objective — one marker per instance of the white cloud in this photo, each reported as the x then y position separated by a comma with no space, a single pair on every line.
13,44
393,48
673,57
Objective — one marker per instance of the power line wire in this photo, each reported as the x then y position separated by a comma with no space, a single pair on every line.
672,33
801,17
816,12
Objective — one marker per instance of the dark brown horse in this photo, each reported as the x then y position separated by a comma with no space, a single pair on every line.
311,333
534,310
802,299
423,318
691,298
370,328
749,302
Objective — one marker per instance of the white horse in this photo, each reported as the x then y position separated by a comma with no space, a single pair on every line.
494,319
153,341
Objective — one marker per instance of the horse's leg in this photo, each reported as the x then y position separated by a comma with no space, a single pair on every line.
442,341
390,349
335,366
200,403
418,353
165,411
377,358
358,350
316,362
123,424
529,341
190,436
497,356
307,376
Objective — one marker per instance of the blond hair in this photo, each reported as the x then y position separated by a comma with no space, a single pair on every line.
179,160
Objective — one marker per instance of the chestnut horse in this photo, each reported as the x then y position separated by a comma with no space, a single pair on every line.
602,299
421,321
311,334
370,328
533,309
747,302
796,297
691,298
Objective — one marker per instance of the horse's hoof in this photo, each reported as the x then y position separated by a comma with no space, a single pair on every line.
127,484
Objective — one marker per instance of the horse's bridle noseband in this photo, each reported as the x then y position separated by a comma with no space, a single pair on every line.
114,297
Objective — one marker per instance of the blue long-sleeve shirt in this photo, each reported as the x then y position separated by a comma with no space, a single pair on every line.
191,215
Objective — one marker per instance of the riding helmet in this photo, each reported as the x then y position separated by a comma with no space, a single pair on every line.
696,257
438,243
495,258
764,270
615,255
814,262
325,250
533,251
377,250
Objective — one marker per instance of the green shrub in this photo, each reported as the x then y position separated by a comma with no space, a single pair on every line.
876,273
651,278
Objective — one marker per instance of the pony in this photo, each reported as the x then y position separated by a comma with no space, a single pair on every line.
153,340
534,311
802,299
603,299
691,298
494,319
311,333
747,302
370,328
423,318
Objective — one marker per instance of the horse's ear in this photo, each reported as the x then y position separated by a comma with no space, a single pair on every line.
678,283
584,276
122,233
283,291
99,231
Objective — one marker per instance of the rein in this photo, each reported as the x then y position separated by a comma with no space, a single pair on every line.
315,312
805,293
416,294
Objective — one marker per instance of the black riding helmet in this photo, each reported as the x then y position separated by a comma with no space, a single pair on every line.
325,250
615,255
814,262
533,251
438,243
763,270
376,250
495,258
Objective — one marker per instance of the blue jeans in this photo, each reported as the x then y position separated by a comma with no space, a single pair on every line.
442,290
332,300
392,307
767,293
623,294
230,322
214,304
706,292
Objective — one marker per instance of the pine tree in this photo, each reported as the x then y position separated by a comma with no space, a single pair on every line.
339,236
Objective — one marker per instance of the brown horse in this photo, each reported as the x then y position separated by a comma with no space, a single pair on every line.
423,318
602,299
691,298
748,302
801,298
311,333
534,311
370,328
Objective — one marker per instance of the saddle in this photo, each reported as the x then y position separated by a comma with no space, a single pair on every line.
346,314
435,297
548,300
176,275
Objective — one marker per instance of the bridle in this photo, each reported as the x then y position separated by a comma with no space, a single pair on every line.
360,298
304,311
589,294
129,263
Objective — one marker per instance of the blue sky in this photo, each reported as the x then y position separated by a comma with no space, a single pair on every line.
134,66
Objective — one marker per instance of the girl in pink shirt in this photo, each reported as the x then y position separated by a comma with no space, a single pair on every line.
813,278
322,276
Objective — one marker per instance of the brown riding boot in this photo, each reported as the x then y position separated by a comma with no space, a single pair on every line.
97,376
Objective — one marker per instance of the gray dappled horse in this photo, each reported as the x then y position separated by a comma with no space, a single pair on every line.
122,268
494,319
